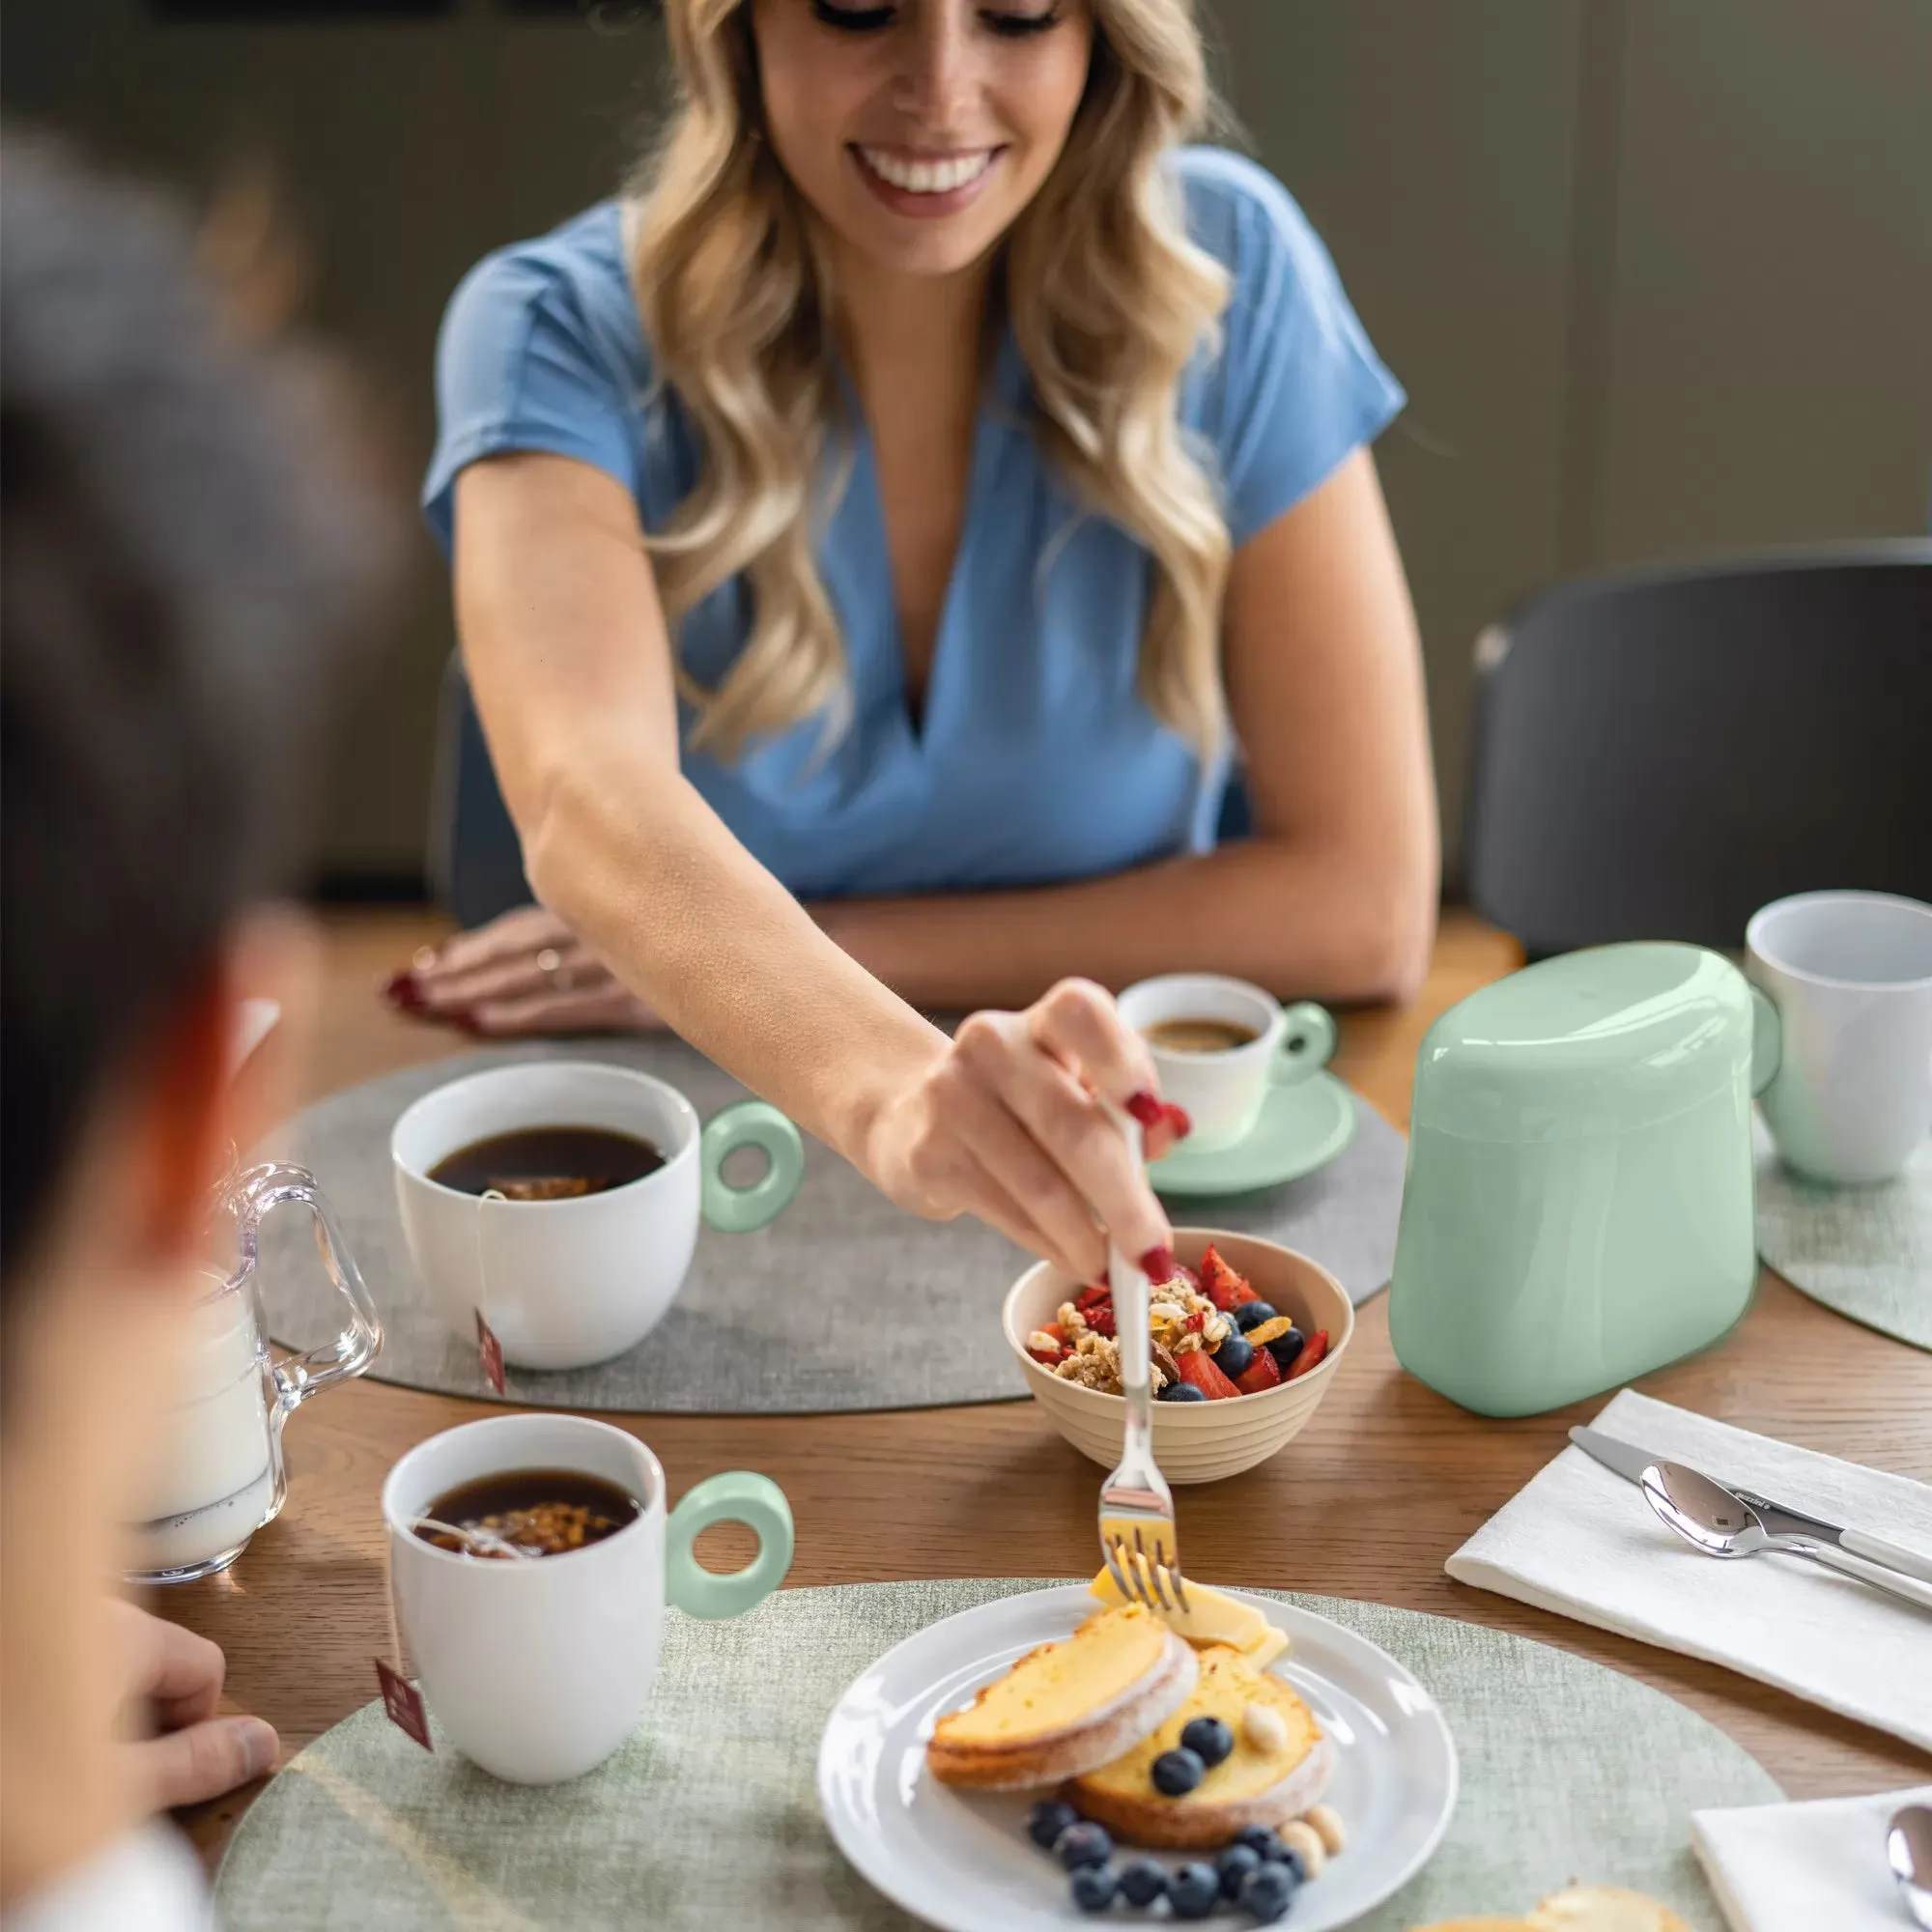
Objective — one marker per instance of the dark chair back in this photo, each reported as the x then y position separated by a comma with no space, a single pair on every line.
475,860
1655,756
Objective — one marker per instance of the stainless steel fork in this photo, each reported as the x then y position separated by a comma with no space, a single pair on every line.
1138,1539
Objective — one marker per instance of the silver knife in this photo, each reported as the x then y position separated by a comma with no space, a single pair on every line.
1630,1462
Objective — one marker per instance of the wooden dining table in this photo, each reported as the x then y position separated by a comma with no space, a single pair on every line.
1385,1482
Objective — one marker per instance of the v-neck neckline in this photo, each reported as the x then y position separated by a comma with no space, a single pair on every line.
1002,389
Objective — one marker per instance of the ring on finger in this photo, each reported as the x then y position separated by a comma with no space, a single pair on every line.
550,963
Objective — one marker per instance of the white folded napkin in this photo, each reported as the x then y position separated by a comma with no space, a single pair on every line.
1803,1868
1582,1541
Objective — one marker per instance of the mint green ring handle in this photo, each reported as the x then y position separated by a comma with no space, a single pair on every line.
1767,1040
1307,1043
737,1211
736,1496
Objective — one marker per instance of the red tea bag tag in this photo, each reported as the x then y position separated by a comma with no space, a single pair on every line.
403,1703
491,1350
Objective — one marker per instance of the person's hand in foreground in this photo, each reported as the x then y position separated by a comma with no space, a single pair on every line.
180,1751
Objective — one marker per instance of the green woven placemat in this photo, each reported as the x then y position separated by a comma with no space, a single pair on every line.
707,1820
1864,1252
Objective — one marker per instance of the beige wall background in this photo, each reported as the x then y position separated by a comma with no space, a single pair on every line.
1657,273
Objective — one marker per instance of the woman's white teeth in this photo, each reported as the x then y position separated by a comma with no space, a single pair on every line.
927,176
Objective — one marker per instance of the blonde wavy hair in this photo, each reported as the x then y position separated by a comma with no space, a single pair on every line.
1108,301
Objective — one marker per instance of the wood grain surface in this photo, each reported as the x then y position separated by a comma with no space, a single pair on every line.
1385,1482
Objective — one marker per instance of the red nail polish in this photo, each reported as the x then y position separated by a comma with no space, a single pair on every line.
462,1018
1178,1119
401,991
1159,1265
1144,1108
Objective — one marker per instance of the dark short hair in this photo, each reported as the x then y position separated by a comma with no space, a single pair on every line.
173,571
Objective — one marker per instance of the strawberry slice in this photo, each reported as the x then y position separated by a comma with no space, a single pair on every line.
1054,1329
1096,1292
1221,1285
1198,1367
1101,1317
1263,1373
1316,1348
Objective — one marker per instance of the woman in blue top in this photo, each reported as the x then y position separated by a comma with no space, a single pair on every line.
871,535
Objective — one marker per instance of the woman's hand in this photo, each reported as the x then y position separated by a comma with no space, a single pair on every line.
524,973
1012,1122
172,1685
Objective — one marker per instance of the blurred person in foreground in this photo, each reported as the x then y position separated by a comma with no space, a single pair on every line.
173,564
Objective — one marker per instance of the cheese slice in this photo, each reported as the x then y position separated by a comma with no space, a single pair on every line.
1226,1686
1210,1617
1062,1684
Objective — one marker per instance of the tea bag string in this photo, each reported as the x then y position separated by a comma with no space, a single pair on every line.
482,1261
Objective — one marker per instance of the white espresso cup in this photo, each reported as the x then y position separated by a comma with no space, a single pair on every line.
538,1669
563,1284
1224,1093
1851,977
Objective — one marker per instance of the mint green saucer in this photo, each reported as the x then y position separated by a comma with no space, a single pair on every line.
1301,1128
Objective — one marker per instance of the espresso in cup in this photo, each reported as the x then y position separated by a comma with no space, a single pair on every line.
1220,1045
1188,1036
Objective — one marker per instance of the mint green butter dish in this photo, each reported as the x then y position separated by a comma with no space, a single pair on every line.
1578,1209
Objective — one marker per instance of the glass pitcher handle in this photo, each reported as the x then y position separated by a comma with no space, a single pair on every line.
262,1190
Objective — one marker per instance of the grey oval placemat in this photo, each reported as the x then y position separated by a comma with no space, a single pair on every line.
842,1304
1864,1252
708,1818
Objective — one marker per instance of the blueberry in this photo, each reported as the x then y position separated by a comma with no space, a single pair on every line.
1285,1347
1049,1818
1290,1861
1251,1315
1143,1881
1209,1740
1268,1893
1083,1845
1175,1773
1194,1890
1261,1840
1235,1867
1183,1392
1093,1888
1233,1356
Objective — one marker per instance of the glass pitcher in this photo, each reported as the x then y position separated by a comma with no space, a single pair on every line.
218,1475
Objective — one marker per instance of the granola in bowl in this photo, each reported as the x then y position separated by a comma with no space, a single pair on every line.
1212,1337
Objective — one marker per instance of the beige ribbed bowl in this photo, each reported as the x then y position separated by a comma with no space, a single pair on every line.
1195,1441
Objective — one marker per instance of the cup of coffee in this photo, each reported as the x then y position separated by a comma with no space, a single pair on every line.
560,1200
1220,1044
530,1560
1851,977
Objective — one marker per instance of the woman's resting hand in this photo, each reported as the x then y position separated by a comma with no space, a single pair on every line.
524,973
1012,1122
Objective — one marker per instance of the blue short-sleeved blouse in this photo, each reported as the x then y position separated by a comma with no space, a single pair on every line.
1036,759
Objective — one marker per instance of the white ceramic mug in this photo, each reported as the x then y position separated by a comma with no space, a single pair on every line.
538,1669
563,1284
1224,1093
1851,977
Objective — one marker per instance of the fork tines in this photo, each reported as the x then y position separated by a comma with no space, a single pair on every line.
1144,1576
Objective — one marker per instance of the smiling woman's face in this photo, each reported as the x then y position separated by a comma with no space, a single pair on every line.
918,130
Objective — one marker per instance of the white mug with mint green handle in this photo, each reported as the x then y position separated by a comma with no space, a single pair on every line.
538,1669
1224,1093
563,1284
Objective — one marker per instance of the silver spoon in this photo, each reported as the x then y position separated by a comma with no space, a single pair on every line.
1908,1845
1720,1523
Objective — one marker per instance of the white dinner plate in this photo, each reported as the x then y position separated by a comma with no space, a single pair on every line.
964,1862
